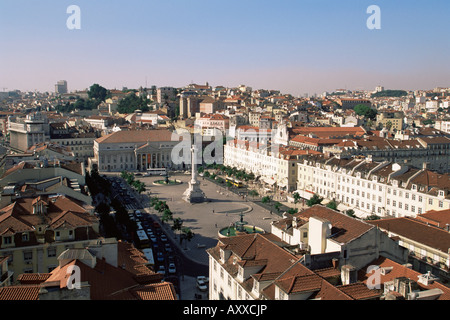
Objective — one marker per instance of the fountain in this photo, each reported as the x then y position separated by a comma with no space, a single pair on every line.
240,227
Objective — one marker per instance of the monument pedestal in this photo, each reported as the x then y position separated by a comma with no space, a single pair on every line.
194,194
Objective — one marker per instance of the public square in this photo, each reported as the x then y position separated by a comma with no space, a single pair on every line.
222,208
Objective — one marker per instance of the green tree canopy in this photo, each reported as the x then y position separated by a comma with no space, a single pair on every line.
366,111
315,199
131,103
97,92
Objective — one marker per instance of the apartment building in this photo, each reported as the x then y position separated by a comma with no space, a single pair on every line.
369,187
433,151
108,270
35,230
259,267
428,245
393,120
164,94
275,164
213,121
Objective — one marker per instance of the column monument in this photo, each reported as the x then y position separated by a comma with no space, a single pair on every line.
194,194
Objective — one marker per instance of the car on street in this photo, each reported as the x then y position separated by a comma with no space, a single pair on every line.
201,285
172,268
168,248
203,278
162,270
160,256
163,238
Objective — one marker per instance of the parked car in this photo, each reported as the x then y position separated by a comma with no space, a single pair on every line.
168,248
163,238
203,278
201,285
160,256
172,268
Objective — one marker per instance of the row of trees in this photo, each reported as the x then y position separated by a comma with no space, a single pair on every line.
138,185
227,170
167,216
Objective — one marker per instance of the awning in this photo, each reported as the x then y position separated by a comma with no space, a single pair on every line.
269,181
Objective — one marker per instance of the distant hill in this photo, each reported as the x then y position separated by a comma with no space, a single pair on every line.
390,93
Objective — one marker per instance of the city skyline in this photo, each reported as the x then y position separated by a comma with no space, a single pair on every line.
296,47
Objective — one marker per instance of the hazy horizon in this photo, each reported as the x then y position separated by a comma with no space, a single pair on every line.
297,47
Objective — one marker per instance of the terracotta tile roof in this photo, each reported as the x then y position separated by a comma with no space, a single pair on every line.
298,284
33,278
137,136
61,210
331,132
29,292
155,291
438,218
330,292
68,219
359,291
344,228
417,231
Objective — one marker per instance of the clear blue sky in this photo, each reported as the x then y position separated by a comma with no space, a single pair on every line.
296,46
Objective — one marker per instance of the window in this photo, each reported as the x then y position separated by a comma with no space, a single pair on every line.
7,240
25,237
51,252
430,201
27,255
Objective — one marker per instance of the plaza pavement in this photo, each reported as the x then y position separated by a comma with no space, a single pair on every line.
205,219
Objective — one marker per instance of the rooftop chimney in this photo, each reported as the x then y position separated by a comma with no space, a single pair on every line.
348,274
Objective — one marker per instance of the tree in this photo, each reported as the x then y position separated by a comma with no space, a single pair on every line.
167,215
315,199
265,199
177,224
277,206
366,111
350,213
187,234
296,198
292,211
97,92
332,205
